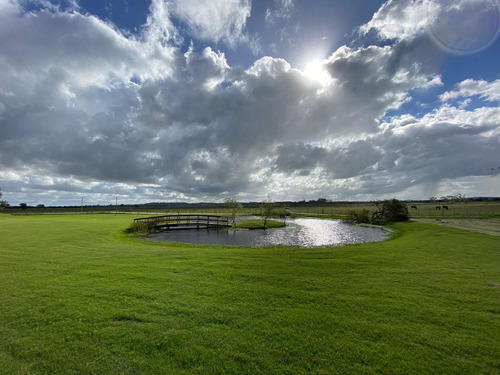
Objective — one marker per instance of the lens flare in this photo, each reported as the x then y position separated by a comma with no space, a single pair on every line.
466,26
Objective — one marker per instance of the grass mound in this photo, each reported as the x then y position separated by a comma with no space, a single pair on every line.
259,224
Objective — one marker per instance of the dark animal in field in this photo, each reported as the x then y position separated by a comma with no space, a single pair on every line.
438,207
413,207
445,207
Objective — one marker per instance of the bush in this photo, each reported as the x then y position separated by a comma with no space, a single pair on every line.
141,227
389,211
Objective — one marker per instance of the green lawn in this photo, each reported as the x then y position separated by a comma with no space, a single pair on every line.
79,297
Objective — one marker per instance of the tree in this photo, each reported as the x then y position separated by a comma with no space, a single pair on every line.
234,206
23,206
283,212
267,208
448,199
3,204
458,198
358,217
390,210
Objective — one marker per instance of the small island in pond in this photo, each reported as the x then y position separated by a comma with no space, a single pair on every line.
259,224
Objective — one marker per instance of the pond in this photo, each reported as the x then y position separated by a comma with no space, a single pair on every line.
304,232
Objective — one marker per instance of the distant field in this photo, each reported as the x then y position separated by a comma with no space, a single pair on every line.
80,297
334,209
472,209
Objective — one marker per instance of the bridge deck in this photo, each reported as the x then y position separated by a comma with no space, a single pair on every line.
187,221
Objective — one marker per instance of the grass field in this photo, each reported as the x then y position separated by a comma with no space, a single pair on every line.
79,297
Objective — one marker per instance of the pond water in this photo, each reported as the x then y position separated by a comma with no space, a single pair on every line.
305,232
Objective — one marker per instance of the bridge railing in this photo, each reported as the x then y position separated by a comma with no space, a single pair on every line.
185,220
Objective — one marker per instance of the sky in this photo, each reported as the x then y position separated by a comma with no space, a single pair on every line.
197,100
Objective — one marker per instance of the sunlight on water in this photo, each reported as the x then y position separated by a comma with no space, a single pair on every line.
299,232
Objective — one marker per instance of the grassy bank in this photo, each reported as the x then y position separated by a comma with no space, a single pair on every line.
79,297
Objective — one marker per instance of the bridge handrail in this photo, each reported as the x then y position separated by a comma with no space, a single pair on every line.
186,218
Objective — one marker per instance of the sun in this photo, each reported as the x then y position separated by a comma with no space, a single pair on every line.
316,71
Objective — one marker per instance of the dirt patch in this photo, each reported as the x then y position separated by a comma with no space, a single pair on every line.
487,226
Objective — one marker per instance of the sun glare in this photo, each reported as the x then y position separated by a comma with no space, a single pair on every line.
315,71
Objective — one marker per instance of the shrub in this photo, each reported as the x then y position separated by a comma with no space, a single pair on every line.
141,227
390,210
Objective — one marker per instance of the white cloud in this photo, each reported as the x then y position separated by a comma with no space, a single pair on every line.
89,50
403,19
216,21
159,27
489,91
283,10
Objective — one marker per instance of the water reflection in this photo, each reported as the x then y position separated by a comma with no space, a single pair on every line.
300,232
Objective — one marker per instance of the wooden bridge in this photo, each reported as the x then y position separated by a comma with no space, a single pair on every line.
188,221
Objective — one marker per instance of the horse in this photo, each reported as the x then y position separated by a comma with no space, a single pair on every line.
438,207
413,207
